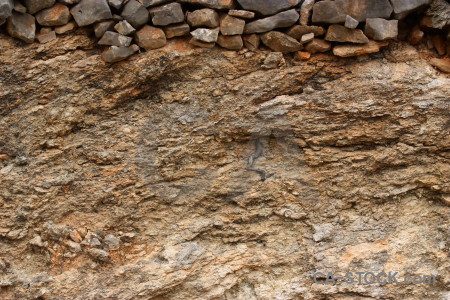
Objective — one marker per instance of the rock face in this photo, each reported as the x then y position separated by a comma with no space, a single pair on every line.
268,8
88,12
22,26
280,20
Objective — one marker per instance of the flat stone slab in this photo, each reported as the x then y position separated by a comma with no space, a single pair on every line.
268,8
356,50
177,30
280,20
216,4
339,33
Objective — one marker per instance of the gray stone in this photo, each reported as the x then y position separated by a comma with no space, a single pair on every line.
244,14
6,8
102,27
360,10
88,12
33,6
203,18
339,33
280,42
46,37
111,38
328,12
135,13
216,4
251,41
149,37
350,22
124,28
356,50
117,4
99,254
322,231
280,20
176,30
73,247
112,242
380,29
55,16
267,8
148,3
305,11
19,7
232,42
231,26
406,6
298,31
21,26
167,14
206,35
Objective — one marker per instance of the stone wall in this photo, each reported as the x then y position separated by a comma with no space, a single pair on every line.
345,27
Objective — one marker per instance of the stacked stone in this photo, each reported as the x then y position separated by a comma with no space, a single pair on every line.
347,27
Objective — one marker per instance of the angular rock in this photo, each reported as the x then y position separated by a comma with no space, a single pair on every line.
19,7
306,38
415,36
356,50
280,42
328,12
135,13
112,242
21,26
350,22
102,27
318,45
198,43
167,14
251,41
360,10
117,4
111,38
115,54
301,55
33,6
6,8
55,16
206,35
46,37
176,30
339,33
149,37
298,31
205,17
216,4
231,26
99,254
280,20
442,64
124,28
305,11
380,29
437,16
407,6
73,247
88,12
274,60
148,3
244,14
268,8
232,42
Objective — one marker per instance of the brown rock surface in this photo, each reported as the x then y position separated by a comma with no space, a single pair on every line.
153,151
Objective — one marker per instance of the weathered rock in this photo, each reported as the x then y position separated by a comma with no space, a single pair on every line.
415,36
19,7
439,44
205,35
339,33
306,38
73,246
216,4
21,26
55,16
111,38
280,20
167,14
380,29
149,37
45,30
274,60
205,17
115,54
267,8
232,42
6,8
46,37
88,12
442,64
231,26
407,6
117,4
244,14
328,12
437,15
302,55
176,30
102,27
135,13
350,22
112,242
66,28
148,3
356,50
117,18
280,42
360,10
201,44
298,31
318,45
124,28
305,11
33,6
251,41
99,254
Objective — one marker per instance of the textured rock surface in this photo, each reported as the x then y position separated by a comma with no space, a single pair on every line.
268,8
280,20
22,26
153,151
88,12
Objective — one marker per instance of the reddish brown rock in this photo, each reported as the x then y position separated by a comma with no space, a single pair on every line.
302,55
65,28
232,42
339,33
216,4
380,29
442,64
317,45
355,50
231,26
176,30
244,14
149,37
415,36
280,42
55,16
251,41
298,31
46,37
